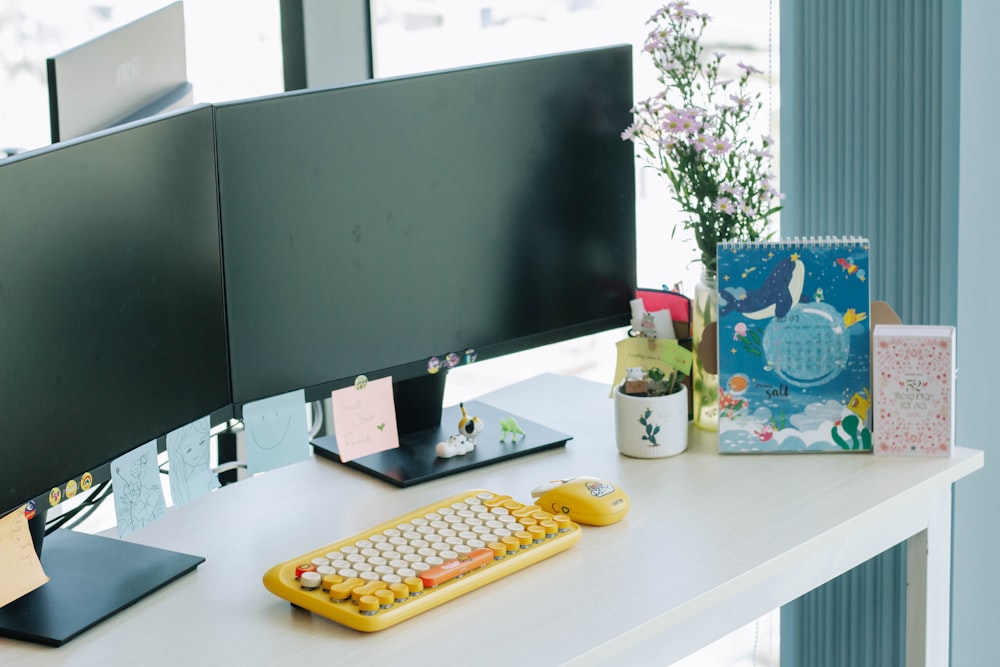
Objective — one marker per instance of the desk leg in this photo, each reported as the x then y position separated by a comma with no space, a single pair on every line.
928,589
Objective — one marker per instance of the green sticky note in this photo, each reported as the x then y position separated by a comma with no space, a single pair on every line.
678,357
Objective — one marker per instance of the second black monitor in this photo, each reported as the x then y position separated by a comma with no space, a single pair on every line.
380,228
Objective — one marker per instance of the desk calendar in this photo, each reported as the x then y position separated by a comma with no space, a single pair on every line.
794,346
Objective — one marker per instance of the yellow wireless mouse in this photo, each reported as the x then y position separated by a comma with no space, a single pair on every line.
586,500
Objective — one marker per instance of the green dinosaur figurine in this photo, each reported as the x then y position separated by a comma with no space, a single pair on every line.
508,426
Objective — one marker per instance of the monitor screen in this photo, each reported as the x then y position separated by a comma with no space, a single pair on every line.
112,326
112,330
135,71
400,225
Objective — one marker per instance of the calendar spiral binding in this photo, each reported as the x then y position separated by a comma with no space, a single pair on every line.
794,242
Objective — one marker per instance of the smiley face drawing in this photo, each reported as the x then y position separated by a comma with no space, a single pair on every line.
268,429
276,432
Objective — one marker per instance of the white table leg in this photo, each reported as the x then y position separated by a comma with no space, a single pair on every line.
928,590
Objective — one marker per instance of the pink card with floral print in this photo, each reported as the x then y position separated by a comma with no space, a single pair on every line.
913,373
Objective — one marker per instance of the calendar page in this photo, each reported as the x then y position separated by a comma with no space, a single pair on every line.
794,346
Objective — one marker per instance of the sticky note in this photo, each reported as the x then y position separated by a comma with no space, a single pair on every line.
677,357
135,479
20,570
276,431
188,453
364,419
637,353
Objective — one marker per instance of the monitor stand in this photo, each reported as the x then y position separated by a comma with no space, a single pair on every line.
422,424
90,579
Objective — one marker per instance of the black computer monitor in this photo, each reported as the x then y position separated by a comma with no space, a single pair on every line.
112,333
375,228
129,73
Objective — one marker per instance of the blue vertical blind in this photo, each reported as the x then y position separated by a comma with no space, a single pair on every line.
869,140
854,621
869,135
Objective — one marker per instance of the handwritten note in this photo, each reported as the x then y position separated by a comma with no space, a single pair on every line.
276,431
20,570
677,357
637,353
135,478
364,419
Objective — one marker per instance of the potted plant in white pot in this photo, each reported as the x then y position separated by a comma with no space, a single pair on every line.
651,413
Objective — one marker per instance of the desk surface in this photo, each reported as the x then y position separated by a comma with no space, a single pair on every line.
711,543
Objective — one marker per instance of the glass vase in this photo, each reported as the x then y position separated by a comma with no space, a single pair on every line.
704,385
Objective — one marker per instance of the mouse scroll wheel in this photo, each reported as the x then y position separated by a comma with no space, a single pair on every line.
548,486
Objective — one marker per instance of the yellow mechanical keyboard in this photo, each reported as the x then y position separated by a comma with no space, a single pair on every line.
415,562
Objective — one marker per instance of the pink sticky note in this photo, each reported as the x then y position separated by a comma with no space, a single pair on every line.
364,419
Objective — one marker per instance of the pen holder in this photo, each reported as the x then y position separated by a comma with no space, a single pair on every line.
650,427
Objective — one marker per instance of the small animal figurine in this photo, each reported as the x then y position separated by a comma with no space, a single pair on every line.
455,445
508,426
648,325
468,426
635,381
648,329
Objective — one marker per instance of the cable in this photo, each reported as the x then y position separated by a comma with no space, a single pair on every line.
315,418
98,495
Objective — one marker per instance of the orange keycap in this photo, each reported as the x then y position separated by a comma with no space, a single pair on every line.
304,567
456,567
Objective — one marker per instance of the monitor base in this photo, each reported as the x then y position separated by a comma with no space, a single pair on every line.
90,579
416,460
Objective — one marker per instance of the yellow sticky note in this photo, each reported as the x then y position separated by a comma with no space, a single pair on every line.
364,419
677,357
637,353
20,570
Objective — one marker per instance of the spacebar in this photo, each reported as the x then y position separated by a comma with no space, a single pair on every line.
456,567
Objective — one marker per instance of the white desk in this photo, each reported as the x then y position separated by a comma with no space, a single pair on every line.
711,543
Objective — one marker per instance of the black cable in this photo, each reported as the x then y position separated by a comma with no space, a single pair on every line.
92,507
87,507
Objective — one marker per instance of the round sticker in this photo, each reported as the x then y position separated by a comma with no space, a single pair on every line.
29,510
470,356
55,495
433,365
71,488
451,360
360,382
86,481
